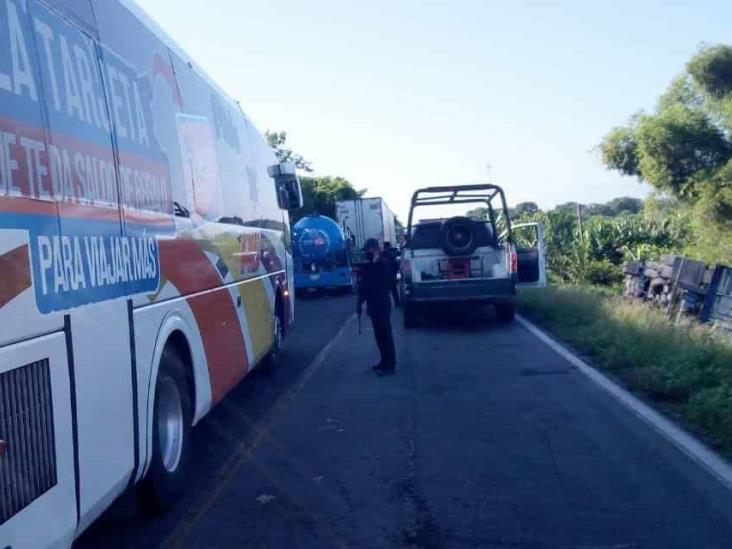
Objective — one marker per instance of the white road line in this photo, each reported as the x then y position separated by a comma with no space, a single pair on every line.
696,450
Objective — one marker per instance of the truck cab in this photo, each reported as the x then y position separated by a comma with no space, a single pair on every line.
466,260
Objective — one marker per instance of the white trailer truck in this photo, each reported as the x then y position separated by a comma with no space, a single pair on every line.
366,218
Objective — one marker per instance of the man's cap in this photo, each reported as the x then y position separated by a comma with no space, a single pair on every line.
370,244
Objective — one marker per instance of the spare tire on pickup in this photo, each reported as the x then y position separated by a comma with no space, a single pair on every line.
458,236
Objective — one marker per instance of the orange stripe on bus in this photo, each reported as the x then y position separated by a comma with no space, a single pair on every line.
18,204
15,267
186,266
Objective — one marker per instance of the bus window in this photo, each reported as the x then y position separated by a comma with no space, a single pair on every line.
23,173
28,214
80,164
198,138
266,213
143,102
80,142
80,12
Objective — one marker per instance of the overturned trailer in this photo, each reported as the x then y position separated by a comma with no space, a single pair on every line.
684,287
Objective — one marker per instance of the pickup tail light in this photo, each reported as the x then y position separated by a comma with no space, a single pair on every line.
513,267
458,268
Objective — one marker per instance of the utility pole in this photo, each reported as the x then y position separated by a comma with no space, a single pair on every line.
579,220
488,168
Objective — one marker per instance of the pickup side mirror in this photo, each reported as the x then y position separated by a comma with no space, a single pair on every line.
287,185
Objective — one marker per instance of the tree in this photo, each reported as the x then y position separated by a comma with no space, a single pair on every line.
624,204
524,208
598,209
682,147
320,195
711,70
619,150
710,76
478,213
569,207
679,149
521,209
278,141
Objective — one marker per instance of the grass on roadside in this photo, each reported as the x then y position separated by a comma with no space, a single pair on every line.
685,369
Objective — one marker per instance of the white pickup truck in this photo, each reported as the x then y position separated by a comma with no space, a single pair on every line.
464,260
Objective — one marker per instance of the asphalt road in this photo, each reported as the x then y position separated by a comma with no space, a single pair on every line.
233,427
484,438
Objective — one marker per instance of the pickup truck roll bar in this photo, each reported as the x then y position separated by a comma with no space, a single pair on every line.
460,194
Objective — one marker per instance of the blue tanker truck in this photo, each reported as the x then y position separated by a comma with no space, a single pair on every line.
322,254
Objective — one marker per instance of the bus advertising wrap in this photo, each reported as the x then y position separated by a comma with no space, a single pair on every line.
92,215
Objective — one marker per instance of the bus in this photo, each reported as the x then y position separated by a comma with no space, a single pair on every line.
145,263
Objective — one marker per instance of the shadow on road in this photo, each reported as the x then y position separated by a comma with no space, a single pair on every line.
459,319
324,293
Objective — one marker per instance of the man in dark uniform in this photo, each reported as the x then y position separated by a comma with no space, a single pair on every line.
391,257
375,289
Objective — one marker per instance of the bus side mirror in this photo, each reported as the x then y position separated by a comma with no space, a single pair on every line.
287,185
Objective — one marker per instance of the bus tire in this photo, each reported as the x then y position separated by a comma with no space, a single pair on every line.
167,476
278,335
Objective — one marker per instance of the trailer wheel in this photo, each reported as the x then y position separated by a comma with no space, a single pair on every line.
167,477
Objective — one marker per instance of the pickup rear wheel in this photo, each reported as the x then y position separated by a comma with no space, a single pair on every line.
505,312
167,477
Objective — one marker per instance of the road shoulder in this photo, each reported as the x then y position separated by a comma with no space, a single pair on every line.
684,441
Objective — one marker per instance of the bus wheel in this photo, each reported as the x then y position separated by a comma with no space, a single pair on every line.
167,477
278,337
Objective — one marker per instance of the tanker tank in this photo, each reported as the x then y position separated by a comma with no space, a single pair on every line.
321,254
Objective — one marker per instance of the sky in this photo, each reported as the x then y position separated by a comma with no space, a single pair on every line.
396,95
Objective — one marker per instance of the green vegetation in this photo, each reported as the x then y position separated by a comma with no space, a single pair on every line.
319,194
687,370
278,142
595,253
684,150
623,229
